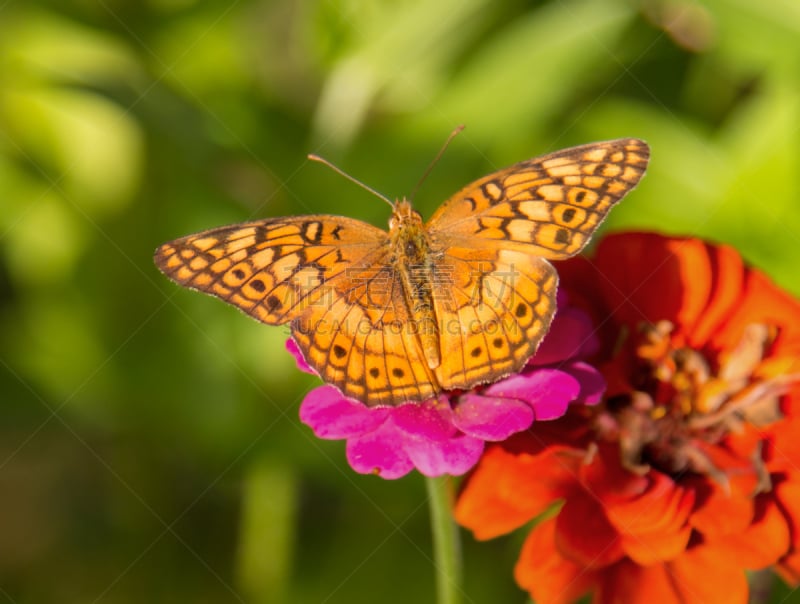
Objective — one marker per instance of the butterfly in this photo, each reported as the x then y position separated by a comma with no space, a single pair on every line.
460,300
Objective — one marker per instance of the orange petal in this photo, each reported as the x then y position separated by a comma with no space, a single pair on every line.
584,535
745,441
728,272
787,494
629,583
763,302
648,277
605,478
650,549
709,575
653,527
722,509
783,450
765,540
545,574
718,511
482,507
701,574
507,489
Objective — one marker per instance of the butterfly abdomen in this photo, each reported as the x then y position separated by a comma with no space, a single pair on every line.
415,267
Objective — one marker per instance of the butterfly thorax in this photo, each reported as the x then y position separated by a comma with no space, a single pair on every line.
413,260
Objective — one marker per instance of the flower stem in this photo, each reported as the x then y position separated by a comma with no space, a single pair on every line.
446,540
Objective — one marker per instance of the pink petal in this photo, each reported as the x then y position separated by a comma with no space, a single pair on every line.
431,420
294,350
330,415
548,391
454,456
571,335
491,418
593,385
380,452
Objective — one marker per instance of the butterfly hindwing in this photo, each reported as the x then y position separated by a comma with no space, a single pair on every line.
361,341
492,319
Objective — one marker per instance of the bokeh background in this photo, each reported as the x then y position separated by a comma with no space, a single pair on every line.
150,449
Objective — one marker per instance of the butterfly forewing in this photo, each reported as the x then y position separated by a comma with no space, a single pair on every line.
547,206
272,269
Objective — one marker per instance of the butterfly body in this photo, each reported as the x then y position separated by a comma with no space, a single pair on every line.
414,262
459,300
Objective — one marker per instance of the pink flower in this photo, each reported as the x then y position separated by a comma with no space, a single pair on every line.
446,435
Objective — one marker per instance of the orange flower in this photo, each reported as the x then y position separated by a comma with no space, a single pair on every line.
686,475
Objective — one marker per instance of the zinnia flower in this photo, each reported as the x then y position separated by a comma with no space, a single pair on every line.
686,475
447,435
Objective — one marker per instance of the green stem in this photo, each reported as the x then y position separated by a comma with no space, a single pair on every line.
446,541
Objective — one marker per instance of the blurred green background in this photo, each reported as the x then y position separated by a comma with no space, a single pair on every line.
150,449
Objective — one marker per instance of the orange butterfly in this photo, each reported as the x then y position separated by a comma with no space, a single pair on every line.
402,315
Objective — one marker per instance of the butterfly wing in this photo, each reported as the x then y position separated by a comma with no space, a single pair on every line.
332,279
362,340
496,310
496,235
548,206
273,269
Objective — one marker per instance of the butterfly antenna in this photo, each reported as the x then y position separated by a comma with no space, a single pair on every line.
436,159
321,160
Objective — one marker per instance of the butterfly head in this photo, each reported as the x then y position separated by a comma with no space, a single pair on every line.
404,215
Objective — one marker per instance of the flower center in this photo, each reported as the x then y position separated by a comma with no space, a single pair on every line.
681,402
